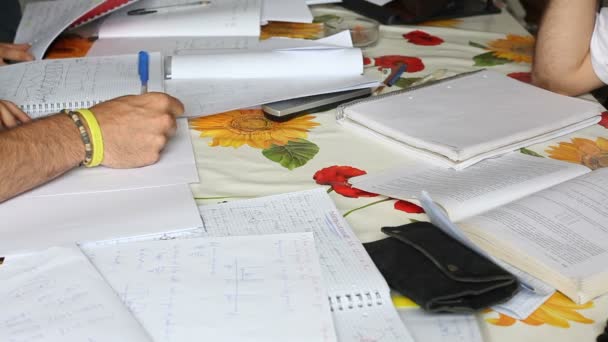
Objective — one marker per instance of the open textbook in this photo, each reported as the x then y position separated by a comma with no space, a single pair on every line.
546,217
357,294
461,120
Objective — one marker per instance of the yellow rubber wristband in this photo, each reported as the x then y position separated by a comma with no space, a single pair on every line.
96,137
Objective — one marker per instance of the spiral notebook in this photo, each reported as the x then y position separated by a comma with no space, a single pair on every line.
44,87
461,120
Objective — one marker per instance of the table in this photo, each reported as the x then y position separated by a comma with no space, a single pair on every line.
241,154
237,151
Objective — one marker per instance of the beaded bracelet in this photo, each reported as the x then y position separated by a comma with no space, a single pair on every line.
84,135
96,136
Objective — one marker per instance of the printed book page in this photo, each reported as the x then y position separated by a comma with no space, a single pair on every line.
43,21
47,86
232,18
561,232
56,295
245,288
481,187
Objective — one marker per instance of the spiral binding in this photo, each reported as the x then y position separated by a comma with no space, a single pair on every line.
43,108
340,110
355,300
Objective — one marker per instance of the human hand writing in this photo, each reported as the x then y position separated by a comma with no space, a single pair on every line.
14,52
11,115
136,128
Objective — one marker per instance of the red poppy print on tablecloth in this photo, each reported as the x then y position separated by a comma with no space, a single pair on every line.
337,177
604,121
414,64
525,77
408,207
418,37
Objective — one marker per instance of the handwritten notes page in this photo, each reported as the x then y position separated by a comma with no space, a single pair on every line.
43,21
441,327
226,18
44,87
245,288
359,296
57,295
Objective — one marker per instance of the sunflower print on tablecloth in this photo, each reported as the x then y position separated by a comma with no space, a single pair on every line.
591,153
283,142
557,311
512,48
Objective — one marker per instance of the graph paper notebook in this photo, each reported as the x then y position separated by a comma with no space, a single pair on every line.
47,86
462,120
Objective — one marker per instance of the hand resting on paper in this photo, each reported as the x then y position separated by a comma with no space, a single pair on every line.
15,53
134,129
137,128
11,115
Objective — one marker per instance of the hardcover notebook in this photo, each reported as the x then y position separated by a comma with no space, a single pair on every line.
461,120
45,87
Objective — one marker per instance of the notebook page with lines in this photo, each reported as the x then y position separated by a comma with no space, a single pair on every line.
358,294
44,87
237,288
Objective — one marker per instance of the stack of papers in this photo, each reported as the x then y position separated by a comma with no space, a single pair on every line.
275,70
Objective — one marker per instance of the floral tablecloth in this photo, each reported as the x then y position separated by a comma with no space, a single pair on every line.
242,154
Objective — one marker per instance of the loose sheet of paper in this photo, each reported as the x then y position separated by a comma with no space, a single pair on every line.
245,288
167,46
43,21
429,327
206,97
294,11
176,166
33,223
44,87
57,295
226,18
478,188
347,269
523,304
280,65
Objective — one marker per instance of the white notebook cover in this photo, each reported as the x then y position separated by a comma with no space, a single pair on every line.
471,117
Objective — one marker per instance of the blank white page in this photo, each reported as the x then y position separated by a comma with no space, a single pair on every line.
467,116
57,295
293,11
282,65
245,288
224,18
43,21
47,86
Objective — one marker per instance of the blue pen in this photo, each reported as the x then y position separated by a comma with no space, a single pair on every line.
143,65
395,77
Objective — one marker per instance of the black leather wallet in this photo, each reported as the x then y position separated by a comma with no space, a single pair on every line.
437,272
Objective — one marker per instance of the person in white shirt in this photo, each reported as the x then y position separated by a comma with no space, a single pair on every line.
571,55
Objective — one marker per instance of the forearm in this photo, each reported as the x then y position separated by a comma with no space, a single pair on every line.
37,152
562,60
